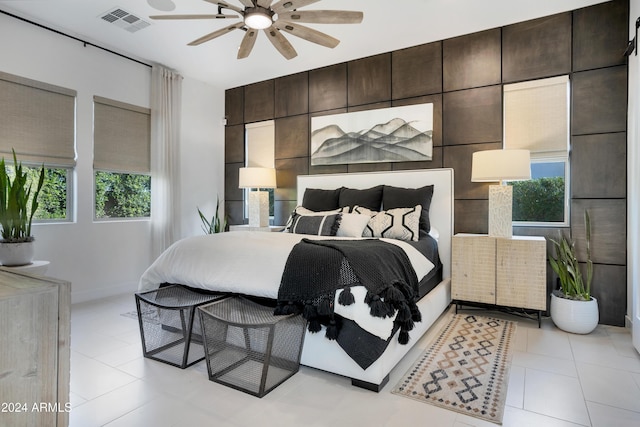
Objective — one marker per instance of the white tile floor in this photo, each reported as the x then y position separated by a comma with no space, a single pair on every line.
557,379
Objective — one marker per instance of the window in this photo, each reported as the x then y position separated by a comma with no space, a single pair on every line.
37,120
541,199
121,160
53,201
122,195
260,152
536,118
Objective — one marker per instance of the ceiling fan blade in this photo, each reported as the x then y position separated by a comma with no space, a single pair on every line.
280,42
225,5
247,3
168,17
323,16
289,5
265,3
307,33
248,41
217,33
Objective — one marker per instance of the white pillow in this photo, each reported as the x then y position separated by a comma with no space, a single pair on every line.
363,211
397,223
352,225
367,232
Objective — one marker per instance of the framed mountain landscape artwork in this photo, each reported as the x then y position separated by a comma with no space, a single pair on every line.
397,134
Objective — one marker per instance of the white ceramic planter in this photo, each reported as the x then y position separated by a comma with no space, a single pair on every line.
578,317
14,254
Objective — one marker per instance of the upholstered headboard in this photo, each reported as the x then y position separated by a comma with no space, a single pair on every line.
440,213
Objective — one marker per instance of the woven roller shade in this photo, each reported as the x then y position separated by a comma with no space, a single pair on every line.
121,137
37,120
260,144
536,116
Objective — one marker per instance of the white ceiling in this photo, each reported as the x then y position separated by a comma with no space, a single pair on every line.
387,25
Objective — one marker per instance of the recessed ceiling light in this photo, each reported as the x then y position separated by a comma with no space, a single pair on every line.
163,5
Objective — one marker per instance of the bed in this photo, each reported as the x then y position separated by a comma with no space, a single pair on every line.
238,275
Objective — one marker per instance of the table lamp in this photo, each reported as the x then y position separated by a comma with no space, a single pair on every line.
500,166
258,178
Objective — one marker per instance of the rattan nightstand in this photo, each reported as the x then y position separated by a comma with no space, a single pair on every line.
506,272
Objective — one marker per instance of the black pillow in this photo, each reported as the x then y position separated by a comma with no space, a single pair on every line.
397,197
370,198
317,200
317,225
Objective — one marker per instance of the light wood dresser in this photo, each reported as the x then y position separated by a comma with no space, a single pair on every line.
35,323
505,272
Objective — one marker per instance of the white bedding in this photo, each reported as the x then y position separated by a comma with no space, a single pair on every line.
252,263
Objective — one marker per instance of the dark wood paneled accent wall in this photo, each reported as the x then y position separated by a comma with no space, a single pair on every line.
463,77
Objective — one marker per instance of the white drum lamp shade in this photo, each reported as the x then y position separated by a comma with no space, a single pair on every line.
258,178
500,166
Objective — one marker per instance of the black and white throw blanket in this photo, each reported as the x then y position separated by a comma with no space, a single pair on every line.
219,263
317,269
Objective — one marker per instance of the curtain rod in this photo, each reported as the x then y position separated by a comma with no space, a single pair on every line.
84,42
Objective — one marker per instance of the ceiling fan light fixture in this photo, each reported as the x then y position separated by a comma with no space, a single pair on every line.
258,18
274,17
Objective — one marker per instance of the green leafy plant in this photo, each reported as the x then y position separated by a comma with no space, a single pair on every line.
18,202
539,199
214,225
565,264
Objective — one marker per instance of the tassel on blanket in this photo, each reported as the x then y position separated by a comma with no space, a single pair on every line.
309,312
314,325
378,307
368,298
289,308
416,316
390,309
407,314
346,297
407,308
283,309
332,330
393,294
325,307
403,337
407,325
280,309
393,298
404,313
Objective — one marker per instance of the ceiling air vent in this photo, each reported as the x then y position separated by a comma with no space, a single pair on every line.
124,20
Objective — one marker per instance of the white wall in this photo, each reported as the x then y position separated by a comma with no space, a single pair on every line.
633,182
202,154
107,258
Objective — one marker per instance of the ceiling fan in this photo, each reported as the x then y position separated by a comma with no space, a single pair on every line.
273,19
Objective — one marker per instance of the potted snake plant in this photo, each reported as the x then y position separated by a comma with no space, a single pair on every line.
18,204
214,225
573,309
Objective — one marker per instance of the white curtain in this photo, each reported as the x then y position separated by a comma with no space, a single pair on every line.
166,95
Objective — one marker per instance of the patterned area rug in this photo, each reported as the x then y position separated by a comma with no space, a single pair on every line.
149,315
131,314
465,368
